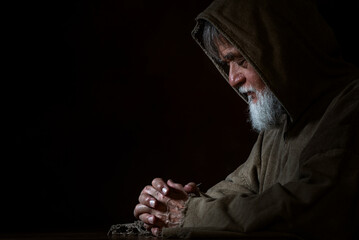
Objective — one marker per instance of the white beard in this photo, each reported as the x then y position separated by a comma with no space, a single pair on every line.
266,112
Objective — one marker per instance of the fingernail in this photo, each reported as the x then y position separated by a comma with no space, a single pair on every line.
152,203
151,219
164,190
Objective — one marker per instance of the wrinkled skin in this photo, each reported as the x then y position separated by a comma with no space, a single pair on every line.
161,204
241,73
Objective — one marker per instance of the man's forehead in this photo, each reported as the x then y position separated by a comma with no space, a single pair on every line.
225,48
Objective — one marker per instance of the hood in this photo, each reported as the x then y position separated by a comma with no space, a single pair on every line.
288,43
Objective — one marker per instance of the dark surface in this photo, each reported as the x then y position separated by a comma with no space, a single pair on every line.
100,97
73,236
102,236
59,236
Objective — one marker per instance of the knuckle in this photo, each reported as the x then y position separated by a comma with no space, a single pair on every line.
142,197
138,207
135,211
142,217
147,189
156,181
158,196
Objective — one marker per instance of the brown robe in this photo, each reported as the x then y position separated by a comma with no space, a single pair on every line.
302,178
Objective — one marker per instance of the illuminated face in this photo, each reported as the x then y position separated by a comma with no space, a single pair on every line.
265,110
242,75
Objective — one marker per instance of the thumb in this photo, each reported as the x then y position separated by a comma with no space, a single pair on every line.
192,188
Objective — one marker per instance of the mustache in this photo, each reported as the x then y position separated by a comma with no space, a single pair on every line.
246,89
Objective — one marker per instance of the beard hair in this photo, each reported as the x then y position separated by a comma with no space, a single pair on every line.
266,112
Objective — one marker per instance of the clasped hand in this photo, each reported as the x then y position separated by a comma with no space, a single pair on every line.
161,204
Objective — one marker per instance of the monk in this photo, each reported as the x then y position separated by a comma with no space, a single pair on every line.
301,179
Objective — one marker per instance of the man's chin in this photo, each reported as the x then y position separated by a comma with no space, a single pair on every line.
265,111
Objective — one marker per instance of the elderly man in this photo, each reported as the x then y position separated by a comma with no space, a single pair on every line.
302,176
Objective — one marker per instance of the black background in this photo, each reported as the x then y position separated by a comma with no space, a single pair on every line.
100,97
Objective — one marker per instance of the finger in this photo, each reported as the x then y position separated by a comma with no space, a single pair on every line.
148,219
159,216
153,203
148,200
147,226
153,220
141,209
174,185
177,191
150,190
191,188
156,231
160,185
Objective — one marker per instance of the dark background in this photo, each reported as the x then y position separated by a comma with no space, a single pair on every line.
100,97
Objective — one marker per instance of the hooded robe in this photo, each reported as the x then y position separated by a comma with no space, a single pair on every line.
301,179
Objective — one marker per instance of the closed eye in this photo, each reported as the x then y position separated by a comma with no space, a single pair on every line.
242,62
230,57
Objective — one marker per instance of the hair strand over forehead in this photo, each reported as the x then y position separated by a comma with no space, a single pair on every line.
210,36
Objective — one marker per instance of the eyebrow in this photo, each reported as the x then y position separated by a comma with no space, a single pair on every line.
230,57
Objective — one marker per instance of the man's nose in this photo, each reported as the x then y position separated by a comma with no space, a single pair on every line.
236,77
